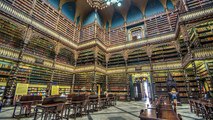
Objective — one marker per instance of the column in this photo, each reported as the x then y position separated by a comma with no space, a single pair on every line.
149,50
125,55
108,55
94,83
11,83
49,85
76,54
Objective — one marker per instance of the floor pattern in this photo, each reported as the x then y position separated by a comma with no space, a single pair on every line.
122,111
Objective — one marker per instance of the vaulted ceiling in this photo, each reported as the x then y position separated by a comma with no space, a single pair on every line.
81,9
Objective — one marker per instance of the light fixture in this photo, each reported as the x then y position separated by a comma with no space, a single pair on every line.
101,4
112,2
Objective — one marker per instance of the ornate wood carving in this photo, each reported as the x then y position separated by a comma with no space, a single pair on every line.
149,50
176,45
108,55
126,54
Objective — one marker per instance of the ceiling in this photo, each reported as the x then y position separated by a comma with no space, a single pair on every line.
83,9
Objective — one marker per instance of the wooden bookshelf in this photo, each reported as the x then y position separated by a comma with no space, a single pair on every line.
196,4
36,89
2,89
84,80
116,60
117,85
138,56
10,34
65,56
101,58
86,57
41,47
165,52
64,90
117,36
87,32
160,80
62,78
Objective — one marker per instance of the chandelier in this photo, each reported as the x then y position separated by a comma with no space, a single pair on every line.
111,2
101,4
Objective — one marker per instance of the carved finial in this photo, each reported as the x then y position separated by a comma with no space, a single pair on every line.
76,54
149,50
96,50
126,54
28,35
176,45
108,55
58,47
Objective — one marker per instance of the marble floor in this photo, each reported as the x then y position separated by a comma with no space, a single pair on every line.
122,111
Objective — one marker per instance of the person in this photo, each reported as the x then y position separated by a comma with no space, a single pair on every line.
174,95
1,104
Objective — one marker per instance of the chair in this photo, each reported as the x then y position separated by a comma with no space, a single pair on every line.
55,112
191,105
208,112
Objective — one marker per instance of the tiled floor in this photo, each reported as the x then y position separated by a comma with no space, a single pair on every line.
122,111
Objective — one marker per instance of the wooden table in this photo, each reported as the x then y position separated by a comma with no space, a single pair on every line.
22,104
44,107
76,105
160,110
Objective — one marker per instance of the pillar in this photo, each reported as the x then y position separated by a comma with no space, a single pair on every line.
49,85
94,83
108,55
125,55
76,54
149,50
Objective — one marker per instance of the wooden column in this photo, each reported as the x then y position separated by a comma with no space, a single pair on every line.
125,55
76,54
149,50
49,85
108,55
94,84
11,82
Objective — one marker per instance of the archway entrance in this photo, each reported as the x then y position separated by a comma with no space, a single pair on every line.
140,89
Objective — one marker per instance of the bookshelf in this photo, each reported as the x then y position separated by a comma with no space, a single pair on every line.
2,89
64,90
35,89
192,84
62,78
117,36
165,52
160,80
65,56
196,4
116,60
41,47
86,57
138,56
84,80
87,32
117,85
10,34
23,74
101,58
6,67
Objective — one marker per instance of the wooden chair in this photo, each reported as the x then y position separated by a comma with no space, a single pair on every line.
93,102
191,105
196,108
55,112
208,112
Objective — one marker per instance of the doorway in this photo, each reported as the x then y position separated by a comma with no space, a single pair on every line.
140,87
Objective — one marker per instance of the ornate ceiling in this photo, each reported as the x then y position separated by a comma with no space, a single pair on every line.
83,9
